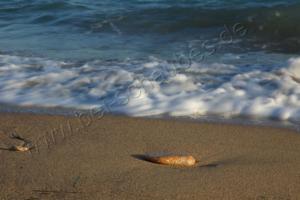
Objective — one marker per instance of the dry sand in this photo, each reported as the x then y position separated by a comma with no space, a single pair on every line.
83,158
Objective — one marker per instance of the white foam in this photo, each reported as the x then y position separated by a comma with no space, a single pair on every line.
264,94
201,89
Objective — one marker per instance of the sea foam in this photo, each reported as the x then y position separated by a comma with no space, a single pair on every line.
153,88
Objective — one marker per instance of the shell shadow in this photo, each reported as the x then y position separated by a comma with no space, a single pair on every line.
210,165
146,156
140,157
222,162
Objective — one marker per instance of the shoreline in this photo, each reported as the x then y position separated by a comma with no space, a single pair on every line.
214,119
75,158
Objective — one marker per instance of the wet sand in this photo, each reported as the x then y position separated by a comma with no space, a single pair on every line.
96,158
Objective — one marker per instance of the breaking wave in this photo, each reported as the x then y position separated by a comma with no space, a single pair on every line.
154,87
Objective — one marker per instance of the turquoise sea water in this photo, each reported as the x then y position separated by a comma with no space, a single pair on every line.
153,57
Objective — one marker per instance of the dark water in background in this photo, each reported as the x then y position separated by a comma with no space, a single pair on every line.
150,57
107,29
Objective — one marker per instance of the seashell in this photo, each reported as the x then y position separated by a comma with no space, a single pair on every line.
183,161
20,148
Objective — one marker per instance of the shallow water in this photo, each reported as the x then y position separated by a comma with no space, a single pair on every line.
151,58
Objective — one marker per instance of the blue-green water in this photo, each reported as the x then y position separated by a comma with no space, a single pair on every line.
133,28
151,57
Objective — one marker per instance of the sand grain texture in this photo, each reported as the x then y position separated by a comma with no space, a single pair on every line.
93,159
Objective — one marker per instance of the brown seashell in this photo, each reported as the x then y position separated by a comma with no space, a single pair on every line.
20,148
183,161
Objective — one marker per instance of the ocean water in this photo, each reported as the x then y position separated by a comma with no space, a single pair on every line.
217,58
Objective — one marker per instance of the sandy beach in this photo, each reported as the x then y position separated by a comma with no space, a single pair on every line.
96,158
150,100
